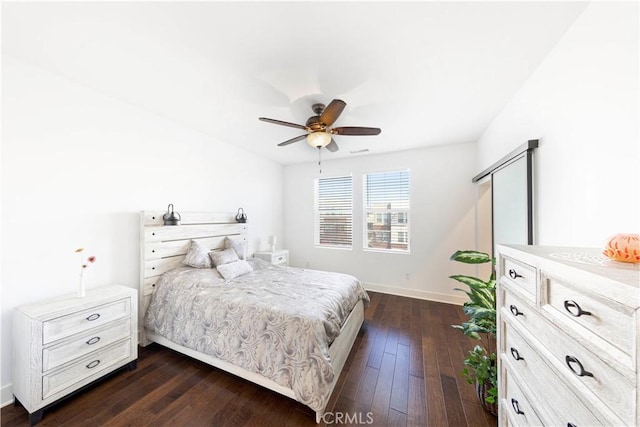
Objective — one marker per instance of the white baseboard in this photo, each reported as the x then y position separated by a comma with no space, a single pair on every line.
6,395
416,293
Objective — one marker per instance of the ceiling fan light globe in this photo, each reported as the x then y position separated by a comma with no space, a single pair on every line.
318,139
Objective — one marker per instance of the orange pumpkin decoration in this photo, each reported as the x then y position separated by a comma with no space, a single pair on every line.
623,247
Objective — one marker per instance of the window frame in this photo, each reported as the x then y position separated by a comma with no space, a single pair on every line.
316,223
366,210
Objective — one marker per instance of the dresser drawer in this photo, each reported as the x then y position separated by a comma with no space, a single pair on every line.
517,404
520,311
604,382
521,275
561,405
91,365
72,324
85,343
579,311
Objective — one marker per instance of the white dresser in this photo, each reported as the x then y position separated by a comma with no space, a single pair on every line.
63,344
278,257
568,343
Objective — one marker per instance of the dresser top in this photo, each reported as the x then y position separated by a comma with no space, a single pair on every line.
72,302
576,260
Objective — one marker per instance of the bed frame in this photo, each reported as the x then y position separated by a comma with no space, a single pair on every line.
164,247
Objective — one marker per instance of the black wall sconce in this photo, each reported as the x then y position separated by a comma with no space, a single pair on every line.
241,216
171,217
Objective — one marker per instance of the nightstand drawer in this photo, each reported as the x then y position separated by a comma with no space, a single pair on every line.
93,340
278,257
72,324
91,365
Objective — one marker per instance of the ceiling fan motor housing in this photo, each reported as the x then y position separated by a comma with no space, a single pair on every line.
318,108
315,124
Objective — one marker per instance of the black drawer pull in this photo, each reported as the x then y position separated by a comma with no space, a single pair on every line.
514,310
571,425
93,364
570,305
516,407
516,354
93,340
514,274
93,317
581,372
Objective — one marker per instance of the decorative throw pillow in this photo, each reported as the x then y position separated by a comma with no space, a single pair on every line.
234,269
238,245
198,256
223,257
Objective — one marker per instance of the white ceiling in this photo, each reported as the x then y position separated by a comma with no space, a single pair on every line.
427,73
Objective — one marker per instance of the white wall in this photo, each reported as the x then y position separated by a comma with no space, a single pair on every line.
77,167
441,221
583,105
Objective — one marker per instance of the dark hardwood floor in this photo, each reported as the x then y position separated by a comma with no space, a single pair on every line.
403,371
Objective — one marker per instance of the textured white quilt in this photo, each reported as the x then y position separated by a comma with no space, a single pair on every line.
275,321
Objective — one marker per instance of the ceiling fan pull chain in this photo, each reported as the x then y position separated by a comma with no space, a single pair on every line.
320,159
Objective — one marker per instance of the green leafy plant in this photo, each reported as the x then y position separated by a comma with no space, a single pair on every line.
480,363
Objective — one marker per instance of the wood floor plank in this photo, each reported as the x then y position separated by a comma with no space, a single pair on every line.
377,352
367,388
403,371
382,394
391,345
400,386
416,403
396,419
453,405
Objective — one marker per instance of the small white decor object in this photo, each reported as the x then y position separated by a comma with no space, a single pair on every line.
273,240
83,265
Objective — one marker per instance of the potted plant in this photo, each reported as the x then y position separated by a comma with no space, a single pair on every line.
480,364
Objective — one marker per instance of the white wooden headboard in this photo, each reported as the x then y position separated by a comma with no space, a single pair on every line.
163,247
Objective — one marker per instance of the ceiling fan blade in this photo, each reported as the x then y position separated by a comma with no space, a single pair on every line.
292,140
280,122
332,146
332,112
355,130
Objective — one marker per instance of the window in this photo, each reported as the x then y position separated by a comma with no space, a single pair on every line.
386,211
334,215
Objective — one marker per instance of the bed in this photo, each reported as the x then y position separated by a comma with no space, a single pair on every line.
311,317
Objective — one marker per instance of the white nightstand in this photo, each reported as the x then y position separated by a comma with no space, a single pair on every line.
63,344
278,257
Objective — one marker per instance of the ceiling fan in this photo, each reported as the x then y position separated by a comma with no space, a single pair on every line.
319,133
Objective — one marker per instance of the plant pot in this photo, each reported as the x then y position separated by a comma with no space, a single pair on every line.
483,392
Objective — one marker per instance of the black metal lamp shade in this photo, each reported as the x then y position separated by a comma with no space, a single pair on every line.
241,216
171,217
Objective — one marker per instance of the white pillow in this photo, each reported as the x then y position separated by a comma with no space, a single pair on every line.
238,245
198,256
223,257
234,269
